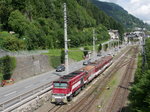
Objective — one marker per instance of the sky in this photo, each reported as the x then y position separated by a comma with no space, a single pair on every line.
138,8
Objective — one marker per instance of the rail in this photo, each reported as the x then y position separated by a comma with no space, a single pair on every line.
85,103
121,93
17,101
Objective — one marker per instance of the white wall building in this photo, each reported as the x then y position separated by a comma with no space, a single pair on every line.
134,35
113,34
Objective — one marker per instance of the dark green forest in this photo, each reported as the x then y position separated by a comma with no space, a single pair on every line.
38,24
140,91
119,14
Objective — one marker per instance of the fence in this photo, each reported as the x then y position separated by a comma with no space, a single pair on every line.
21,53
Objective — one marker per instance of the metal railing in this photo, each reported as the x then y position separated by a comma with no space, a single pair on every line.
21,53
17,101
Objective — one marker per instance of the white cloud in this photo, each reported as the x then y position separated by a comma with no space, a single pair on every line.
147,21
138,8
114,1
143,10
135,1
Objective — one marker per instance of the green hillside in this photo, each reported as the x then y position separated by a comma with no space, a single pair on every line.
120,15
38,24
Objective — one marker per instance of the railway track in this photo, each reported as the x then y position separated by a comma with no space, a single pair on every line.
85,104
55,108
121,93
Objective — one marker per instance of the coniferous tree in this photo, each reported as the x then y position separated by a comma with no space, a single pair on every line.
7,67
85,52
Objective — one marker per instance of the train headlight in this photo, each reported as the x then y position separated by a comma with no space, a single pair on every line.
53,99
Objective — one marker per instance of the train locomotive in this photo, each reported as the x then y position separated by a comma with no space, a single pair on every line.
68,86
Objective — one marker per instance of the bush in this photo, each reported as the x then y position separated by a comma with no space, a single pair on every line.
55,61
7,66
1,77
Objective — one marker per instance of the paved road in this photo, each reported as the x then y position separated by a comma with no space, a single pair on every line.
29,84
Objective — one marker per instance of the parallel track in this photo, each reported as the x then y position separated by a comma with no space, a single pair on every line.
122,91
85,104
55,108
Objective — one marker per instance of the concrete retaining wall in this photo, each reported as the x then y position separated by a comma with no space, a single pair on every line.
28,66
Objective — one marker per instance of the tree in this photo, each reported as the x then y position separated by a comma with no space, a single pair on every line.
5,10
105,47
62,57
85,52
8,66
140,95
43,28
18,22
102,33
99,47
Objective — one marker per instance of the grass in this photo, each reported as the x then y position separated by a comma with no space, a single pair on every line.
113,82
54,56
97,45
105,95
54,61
76,54
53,52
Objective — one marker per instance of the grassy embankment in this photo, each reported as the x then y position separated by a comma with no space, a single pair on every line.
75,54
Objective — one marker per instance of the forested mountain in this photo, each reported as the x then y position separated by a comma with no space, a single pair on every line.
120,15
38,24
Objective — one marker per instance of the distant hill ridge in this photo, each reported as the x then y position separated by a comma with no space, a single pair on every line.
120,15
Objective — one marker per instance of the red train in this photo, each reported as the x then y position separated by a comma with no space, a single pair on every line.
70,85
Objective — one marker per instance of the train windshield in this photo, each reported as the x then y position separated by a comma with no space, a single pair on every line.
60,85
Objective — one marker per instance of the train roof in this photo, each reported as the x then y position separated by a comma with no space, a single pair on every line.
67,78
70,76
87,68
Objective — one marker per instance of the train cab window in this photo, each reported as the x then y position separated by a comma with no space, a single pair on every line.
60,85
59,94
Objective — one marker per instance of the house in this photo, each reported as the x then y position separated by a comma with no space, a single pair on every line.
113,34
136,35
